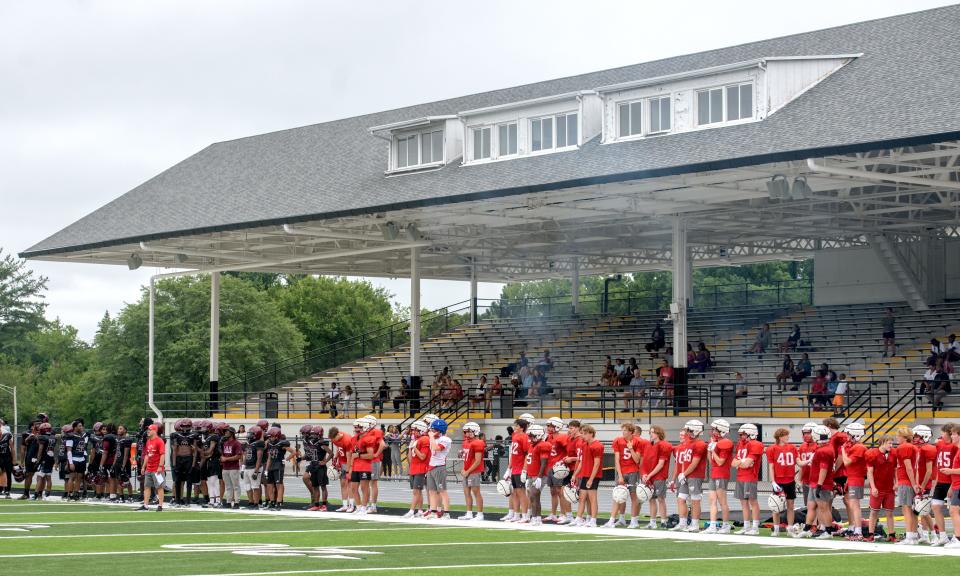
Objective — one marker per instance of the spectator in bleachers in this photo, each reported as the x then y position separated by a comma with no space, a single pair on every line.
937,350
668,355
609,378
637,390
632,366
381,396
393,439
516,385
522,361
536,384
785,373
839,395
665,379
346,399
952,352
818,397
332,399
740,385
702,360
452,393
495,391
658,340
479,394
803,369
545,363
762,342
691,355
889,334
792,341
929,376
620,368
938,389
402,394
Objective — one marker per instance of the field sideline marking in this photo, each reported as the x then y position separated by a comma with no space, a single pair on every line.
144,521
527,564
161,534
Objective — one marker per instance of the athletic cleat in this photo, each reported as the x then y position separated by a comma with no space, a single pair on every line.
409,514
679,528
693,528
823,535
633,524
620,522
550,518
577,522
467,516
651,526
711,529
725,529
741,531
892,538
562,521
478,516
610,524
854,538
954,543
909,541
591,523
752,532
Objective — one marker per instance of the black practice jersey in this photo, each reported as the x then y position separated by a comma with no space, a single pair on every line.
29,442
123,450
80,447
5,446
179,440
108,449
96,441
315,450
276,451
46,447
211,446
250,450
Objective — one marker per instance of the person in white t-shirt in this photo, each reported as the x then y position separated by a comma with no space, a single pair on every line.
437,471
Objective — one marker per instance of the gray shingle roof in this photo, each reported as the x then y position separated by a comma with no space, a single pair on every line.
905,88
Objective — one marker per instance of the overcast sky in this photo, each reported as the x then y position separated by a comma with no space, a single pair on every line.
97,96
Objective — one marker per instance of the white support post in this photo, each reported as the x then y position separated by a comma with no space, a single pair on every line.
689,286
680,279
414,312
575,287
214,341
473,292
151,337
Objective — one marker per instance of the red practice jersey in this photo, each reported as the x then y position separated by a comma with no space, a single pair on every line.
884,469
749,449
946,452
519,446
784,460
538,452
687,452
906,452
857,470
468,453
592,453
823,459
723,450
623,452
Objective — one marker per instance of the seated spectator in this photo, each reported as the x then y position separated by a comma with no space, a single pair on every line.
803,369
332,400
936,349
818,396
609,378
702,360
380,396
348,401
636,391
479,394
402,395
632,367
938,389
952,349
545,363
665,379
785,373
929,376
536,384
668,355
608,363
623,374
792,341
691,356
839,395
526,381
740,383
516,385
658,340
762,342
522,361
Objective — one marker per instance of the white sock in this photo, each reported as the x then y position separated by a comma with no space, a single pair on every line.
683,522
756,524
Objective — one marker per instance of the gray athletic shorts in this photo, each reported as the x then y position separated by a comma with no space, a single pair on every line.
555,482
905,495
659,489
437,479
375,470
418,481
150,480
691,489
955,498
719,484
472,481
631,479
855,492
745,491
826,495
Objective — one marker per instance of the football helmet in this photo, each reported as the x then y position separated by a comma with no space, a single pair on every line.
361,424
821,434
305,430
776,503
721,426
97,426
220,427
66,429
560,471
536,432
855,430
202,426
644,492
440,425
317,430
263,424
808,428
923,431
182,425
571,494
504,487
371,419
556,422
333,474
750,430
922,506
18,474
274,432
420,426
694,427
471,427
620,493
527,417
428,418
45,428
254,433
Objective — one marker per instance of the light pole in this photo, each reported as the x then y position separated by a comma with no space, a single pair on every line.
12,390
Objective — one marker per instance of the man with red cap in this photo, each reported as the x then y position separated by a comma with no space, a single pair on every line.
154,467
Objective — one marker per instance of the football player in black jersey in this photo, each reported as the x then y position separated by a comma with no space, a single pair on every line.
81,446
317,453
108,449
253,465
94,469
185,456
6,460
46,452
211,462
139,441
28,456
278,447
122,463
199,475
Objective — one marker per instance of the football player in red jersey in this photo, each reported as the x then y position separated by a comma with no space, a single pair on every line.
853,454
782,459
535,467
519,446
361,471
953,472
907,482
946,451
627,450
588,474
377,464
925,475
472,455
719,452
654,470
689,472
747,462
821,474
344,444
418,460
881,470
559,441
837,440
805,457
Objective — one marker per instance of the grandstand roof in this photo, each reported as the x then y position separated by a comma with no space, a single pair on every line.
892,109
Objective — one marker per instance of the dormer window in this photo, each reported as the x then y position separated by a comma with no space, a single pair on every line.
482,148
419,148
421,144
725,104
542,132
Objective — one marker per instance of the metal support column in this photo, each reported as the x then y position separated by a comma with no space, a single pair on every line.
473,292
678,312
214,342
575,287
414,330
151,336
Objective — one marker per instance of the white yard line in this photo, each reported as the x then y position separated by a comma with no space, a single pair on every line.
159,535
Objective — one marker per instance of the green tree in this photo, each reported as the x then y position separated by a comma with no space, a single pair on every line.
21,303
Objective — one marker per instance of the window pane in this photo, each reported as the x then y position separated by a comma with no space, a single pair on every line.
437,146
623,110
425,148
486,142
703,107
535,142
561,131
547,124
413,157
746,101
654,115
477,144
572,130
402,153
716,105
503,140
665,113
636,118
512,149
733,103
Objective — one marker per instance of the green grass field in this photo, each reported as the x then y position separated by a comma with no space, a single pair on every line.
82,539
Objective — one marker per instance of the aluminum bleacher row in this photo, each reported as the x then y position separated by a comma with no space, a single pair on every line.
847,338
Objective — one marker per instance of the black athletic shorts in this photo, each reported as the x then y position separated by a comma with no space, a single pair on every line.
183,468
940,491
31,467
516,482
358,476
789,490
213,469
275,476
95,464
318,475
592,486
46,465
80,467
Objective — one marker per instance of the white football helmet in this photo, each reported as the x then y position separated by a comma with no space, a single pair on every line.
362,423
923,431
472,427
776,503
536,432
821,433
620,493
371,419
855,430
504,487
922,506
419,426
333,474
429,418
750,430
644,492
721,426
808,427
556,422
571,494
527,417
694,427
560,471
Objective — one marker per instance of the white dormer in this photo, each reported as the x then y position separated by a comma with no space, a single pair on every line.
711,97
421,144
531,127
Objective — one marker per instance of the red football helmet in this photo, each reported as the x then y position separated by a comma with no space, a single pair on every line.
221,427
45,428
305,429
66,429
274,433
202,425
318,430
183,424
254,433
263,424
97,426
